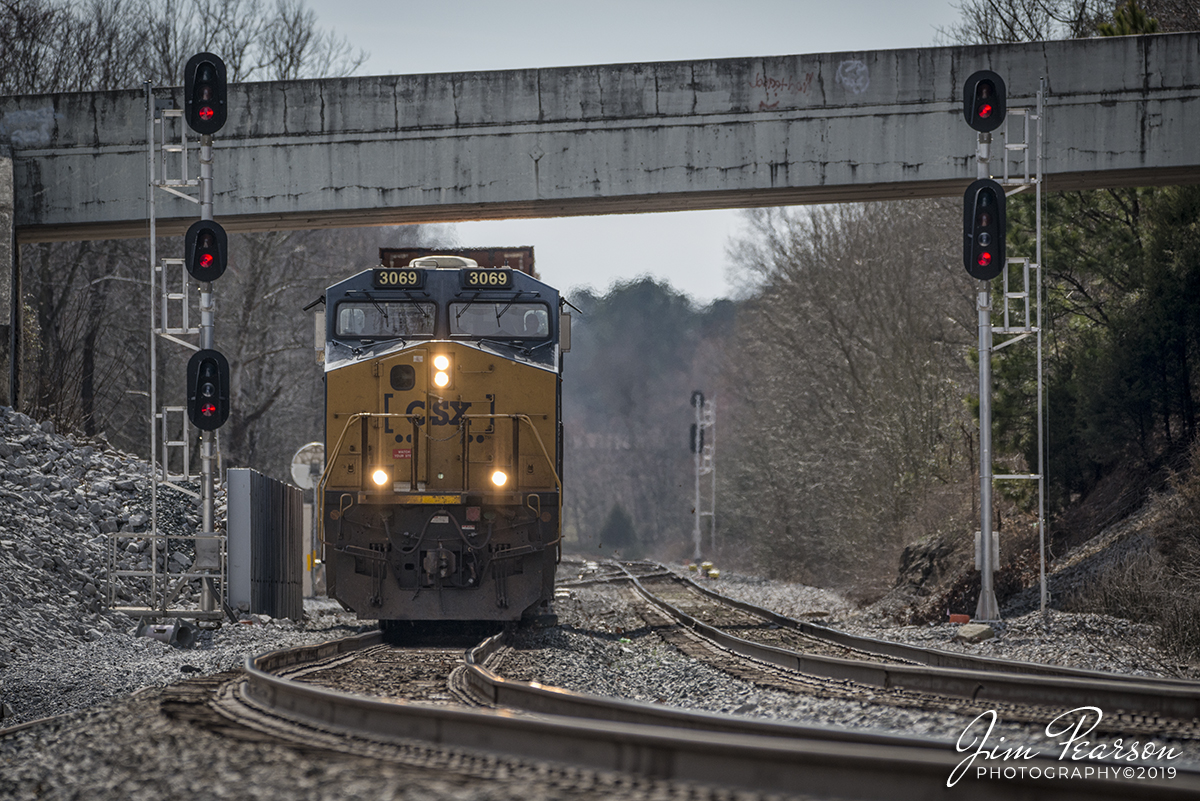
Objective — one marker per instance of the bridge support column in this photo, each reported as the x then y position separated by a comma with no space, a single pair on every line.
10,285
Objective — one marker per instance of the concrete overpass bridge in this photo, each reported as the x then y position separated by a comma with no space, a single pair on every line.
609,139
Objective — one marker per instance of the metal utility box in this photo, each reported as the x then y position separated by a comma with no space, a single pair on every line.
265,544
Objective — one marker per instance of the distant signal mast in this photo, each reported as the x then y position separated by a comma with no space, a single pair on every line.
704,450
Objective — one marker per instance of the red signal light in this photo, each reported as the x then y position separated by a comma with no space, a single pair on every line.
206,113
985,111
206,261
985,259
208,409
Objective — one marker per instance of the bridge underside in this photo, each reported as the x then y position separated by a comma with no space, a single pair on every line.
633,204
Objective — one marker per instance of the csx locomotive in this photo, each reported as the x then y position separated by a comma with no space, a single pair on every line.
442,496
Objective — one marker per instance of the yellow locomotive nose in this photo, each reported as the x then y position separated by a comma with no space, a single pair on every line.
442,390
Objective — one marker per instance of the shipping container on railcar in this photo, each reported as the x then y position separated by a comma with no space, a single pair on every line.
442,496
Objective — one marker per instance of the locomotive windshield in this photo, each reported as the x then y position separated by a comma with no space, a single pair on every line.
385,319
500,320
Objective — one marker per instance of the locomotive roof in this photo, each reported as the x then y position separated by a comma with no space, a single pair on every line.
442,280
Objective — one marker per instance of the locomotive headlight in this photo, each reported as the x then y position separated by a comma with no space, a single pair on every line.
499,478
380,476
441,363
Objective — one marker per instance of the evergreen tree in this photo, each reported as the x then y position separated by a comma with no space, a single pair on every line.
618,534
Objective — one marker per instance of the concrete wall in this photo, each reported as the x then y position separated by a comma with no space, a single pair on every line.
619,138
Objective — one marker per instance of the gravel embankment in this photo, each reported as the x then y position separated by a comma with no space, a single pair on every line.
76,676
61,648
1087,641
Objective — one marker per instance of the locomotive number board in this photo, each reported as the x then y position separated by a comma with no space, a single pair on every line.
404,278
492,278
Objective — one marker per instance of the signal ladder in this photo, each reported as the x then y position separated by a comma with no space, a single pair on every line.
157,590
1021,299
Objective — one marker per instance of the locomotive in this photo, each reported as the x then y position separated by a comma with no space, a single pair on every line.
442,494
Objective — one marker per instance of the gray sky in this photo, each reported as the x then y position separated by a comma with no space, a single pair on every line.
686,248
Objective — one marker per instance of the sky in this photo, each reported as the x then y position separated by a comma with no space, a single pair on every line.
687,249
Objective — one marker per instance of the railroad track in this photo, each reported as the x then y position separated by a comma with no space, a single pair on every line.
696,596
567,732
1024,690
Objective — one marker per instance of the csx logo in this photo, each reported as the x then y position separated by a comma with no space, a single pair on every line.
443,413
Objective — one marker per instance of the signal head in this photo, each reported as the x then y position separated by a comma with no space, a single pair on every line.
984,101
204,93
208,390
205,250
984,229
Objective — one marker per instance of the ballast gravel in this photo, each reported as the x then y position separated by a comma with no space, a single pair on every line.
63,652
62,649
603,647
1069,639
80,675
131,751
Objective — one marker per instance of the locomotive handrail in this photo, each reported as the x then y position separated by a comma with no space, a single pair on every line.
554,472
330,458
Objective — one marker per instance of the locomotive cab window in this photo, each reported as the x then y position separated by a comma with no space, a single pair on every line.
500,320
385,319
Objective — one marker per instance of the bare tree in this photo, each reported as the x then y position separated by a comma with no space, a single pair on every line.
84,347
292,45
1000,21
636,356
57,46
849,376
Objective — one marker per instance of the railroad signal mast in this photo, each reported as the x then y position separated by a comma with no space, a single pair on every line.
207,405
985,258
206,252
704,458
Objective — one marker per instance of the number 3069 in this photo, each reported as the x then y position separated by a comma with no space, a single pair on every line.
398,278
487,277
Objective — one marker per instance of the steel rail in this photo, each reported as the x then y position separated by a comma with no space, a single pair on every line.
1180,701
915,653
812,763
489,687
